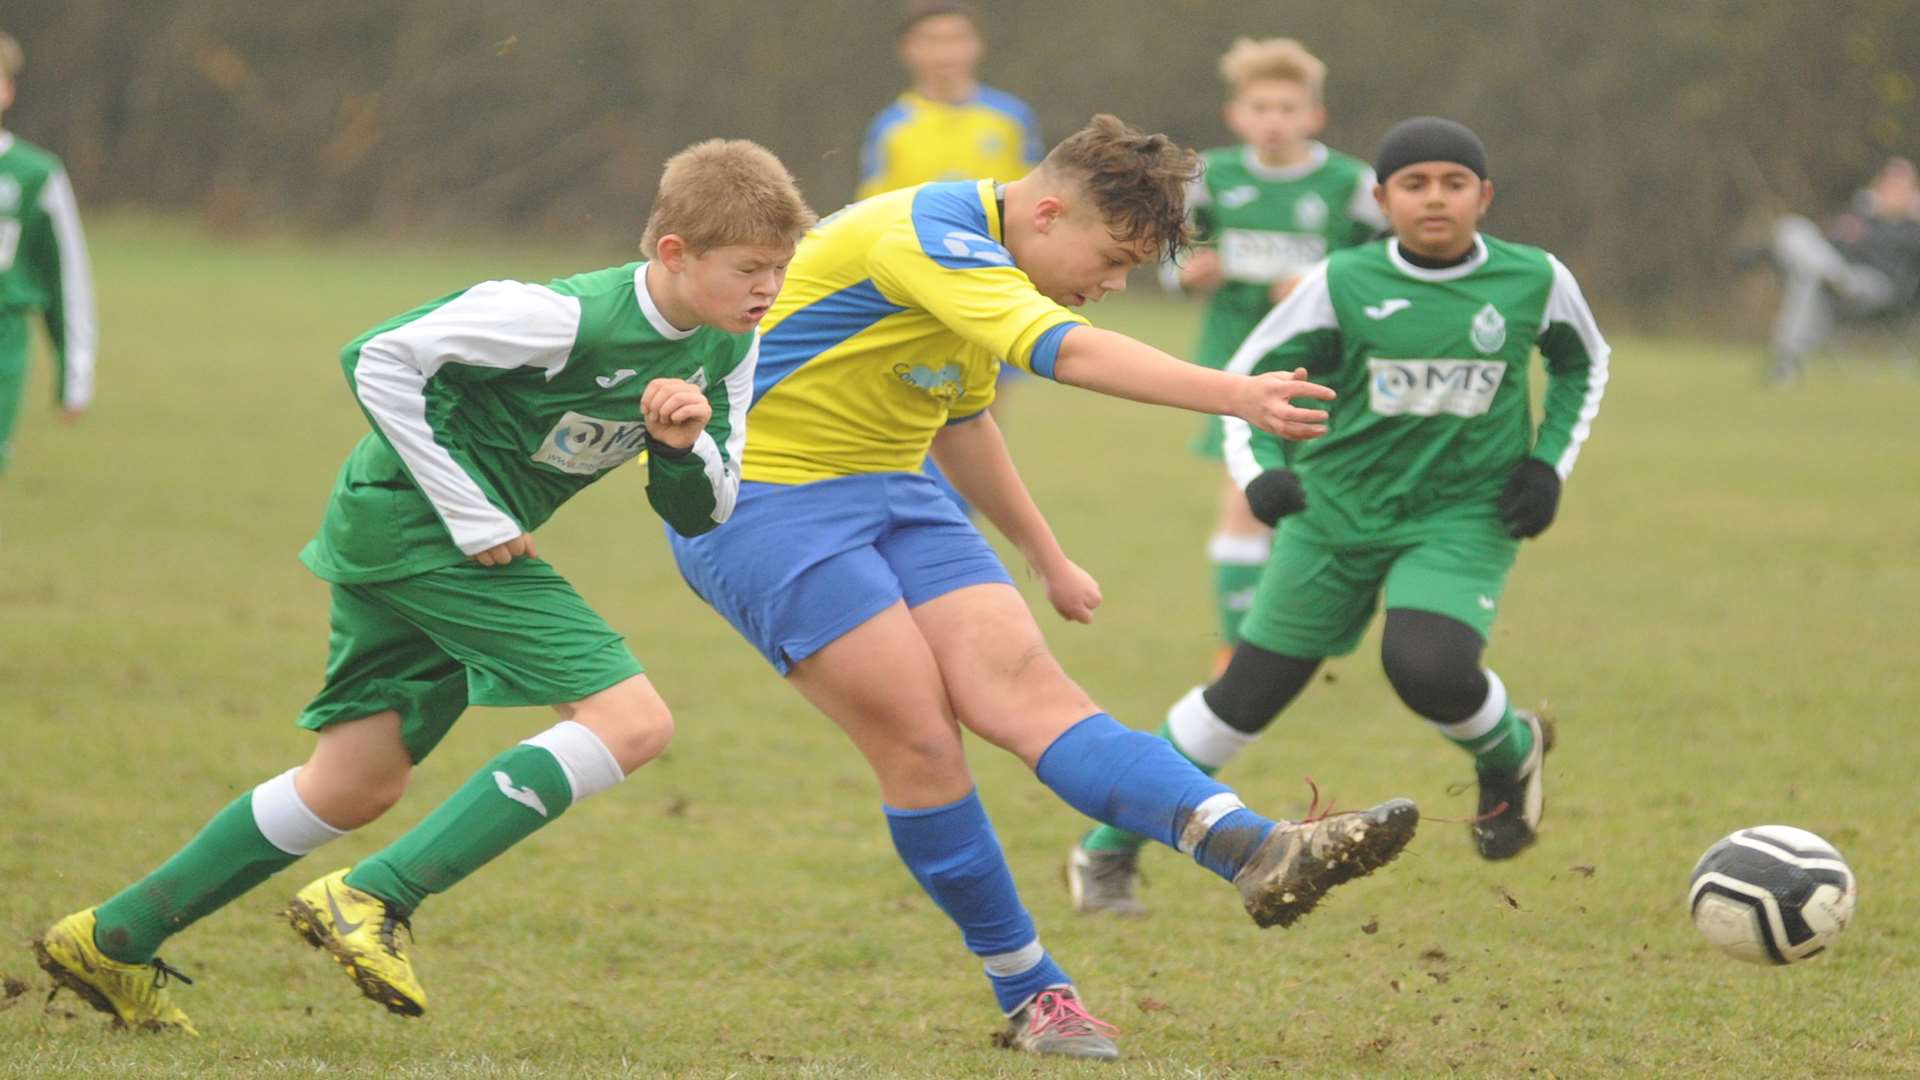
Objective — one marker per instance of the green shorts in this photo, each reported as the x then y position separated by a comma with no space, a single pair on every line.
431,644
1315,599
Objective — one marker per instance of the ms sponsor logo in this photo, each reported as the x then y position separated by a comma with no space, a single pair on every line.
1433,387
584,445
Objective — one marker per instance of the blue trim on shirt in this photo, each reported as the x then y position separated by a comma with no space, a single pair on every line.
1031,146
952,227
889,118
816,328
952,420
1045,351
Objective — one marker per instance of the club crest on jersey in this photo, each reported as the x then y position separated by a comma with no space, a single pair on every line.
1489,330
9,194
943,384
1310,212
1236,197
698,378
1433,387
584,445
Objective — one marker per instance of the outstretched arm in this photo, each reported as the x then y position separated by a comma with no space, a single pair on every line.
1119,366
974,457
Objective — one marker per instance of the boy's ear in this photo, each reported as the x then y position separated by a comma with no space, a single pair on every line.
1048,210
671,250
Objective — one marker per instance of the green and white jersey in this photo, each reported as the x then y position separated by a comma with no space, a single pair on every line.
493,405
43,262
1432,371
1271,224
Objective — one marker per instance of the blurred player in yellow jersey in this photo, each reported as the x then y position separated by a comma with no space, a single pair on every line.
888,611
948,126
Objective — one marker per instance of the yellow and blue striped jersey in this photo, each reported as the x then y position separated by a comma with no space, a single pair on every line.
916,140
895,318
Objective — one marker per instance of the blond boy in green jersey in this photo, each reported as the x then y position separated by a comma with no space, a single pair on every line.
1264,210
491,407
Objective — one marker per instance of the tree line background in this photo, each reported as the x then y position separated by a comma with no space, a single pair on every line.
1639,139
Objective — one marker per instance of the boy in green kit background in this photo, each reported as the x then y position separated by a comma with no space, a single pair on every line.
1264,210
43,268
490,407
1430,475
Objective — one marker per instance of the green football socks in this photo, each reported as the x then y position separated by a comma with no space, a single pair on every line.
1237,562
505,802
228,857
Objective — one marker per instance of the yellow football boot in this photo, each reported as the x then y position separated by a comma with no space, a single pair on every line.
363,934
133,994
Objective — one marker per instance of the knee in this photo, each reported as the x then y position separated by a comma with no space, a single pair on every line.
1440,685
350,794
1024,706
631,719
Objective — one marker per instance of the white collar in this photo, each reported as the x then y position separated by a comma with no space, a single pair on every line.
1445,273
6,141
667,330
1316,157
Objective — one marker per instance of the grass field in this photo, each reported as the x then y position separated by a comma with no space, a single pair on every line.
1723,622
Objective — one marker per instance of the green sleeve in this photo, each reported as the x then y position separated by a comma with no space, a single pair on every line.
695,491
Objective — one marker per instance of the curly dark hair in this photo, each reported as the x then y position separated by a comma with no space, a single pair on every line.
1136,180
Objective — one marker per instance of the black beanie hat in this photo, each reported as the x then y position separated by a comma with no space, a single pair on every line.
1429,138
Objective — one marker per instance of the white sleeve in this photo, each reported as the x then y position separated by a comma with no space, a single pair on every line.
497,324
1363,207
1567,306
82,335
1307,308
723,472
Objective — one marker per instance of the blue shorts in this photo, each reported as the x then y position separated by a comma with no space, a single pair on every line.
798,565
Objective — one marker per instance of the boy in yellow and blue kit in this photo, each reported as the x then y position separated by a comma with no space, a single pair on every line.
881,603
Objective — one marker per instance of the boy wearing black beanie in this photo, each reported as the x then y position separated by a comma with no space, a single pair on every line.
1430,475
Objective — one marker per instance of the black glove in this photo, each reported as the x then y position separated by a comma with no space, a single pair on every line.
1528,501
1274,494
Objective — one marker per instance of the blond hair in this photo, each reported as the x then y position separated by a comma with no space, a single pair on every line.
1138,182
724,192
1284,59
11,58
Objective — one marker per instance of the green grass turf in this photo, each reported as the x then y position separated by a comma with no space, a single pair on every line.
1722,621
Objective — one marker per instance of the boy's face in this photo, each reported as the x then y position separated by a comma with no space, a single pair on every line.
942,48
1435,207
729,288
1274,115
1070,254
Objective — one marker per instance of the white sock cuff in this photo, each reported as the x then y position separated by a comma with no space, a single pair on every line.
286,820
1006,965
1484,720
1203,737
1205,817
590,767
1231,550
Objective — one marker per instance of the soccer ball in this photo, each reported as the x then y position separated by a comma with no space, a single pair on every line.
1772,894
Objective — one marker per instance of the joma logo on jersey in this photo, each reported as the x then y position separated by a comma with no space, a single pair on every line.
1433,387
584,445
